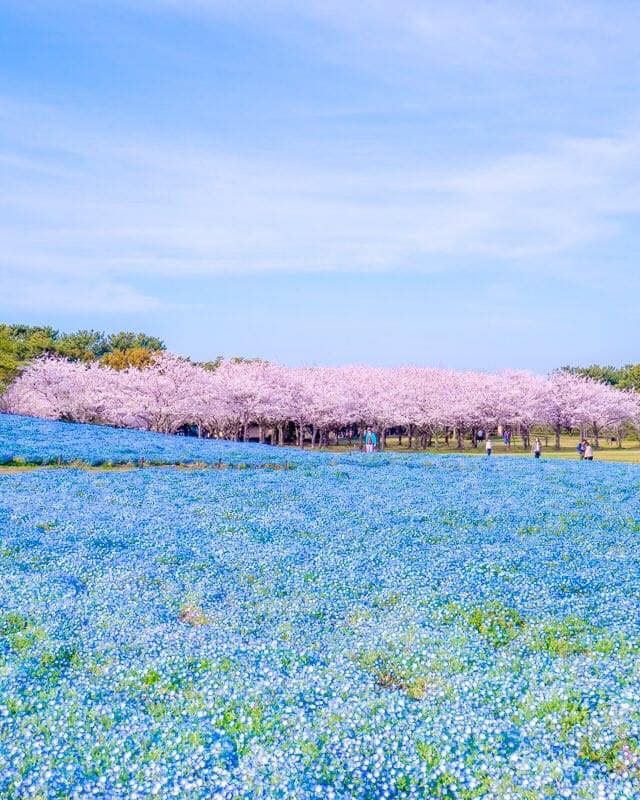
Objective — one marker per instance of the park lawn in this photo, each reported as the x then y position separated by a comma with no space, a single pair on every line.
628,453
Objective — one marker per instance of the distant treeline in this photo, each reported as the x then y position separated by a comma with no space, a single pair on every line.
627,377
20,344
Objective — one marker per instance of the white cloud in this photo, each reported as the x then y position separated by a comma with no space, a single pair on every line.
39,293
119,206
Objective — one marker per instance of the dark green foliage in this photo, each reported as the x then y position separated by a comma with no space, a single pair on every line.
52,666
567,637
609,756
497,623
19,344
211,366
127,340
564,712
11,623
626,377
81,346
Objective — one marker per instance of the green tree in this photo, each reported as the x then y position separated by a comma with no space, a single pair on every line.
139,357
82,345
627,377
211,366
604,374
128,340
19,344
9,362
630,377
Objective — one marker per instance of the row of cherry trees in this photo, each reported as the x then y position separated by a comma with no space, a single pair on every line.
425,405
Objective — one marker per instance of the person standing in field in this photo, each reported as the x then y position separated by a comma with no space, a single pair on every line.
588,451
370,441
580,448
488,446
537,448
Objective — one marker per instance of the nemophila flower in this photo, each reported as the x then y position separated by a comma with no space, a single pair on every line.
423,627
44,441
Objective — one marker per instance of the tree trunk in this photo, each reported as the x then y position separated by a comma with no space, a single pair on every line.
410,442
460,438
261,434
558,430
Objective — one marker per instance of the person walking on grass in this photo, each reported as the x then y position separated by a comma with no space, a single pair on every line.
580,448
370,441
588,451
489,445
537,448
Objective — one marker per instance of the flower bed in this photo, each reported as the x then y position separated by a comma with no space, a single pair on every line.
43,441
368,627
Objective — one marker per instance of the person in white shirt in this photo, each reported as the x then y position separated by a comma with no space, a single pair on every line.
489,446
588,452
537,448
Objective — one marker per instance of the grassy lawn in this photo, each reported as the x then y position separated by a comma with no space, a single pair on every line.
629,452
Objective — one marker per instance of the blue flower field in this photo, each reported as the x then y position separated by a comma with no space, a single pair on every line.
355,627
44,441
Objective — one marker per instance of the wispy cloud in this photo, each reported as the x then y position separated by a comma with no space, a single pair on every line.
556,36
76,202
38,293
105,209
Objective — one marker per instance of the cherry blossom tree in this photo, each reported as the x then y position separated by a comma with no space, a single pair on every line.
423,404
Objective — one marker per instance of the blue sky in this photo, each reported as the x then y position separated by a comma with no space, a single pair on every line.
327,182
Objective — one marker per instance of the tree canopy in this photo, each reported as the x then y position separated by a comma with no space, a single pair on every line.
172,392
19,344
626,377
